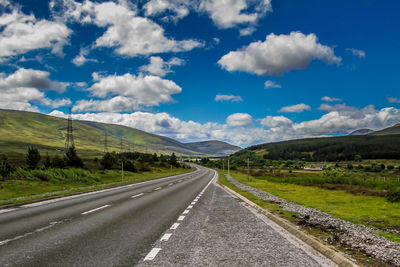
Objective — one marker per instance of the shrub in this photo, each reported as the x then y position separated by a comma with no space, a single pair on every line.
109,161
72,159
129,166
57,162
394,196
350,166
32,157
47,161
5,167
390,167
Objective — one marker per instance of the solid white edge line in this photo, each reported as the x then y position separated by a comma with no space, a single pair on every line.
152,254
138,195
165,237
96,209
40,203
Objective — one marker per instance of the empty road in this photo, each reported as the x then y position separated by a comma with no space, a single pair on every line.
184,220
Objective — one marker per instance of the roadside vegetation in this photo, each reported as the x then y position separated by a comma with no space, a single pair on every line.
42,177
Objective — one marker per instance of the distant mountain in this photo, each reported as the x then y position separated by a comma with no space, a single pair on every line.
361,132
388,131
214,147
19,129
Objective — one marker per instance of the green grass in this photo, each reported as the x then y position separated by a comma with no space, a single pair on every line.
371,211
26,186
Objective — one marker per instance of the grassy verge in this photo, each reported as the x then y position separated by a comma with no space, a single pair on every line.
293,217
59,182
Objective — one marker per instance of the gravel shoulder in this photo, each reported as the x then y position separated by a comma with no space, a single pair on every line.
220,230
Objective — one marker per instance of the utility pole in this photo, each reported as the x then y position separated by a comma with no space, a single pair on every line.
69,142
122,169
228,167
120,145
105,142
248,169
223,166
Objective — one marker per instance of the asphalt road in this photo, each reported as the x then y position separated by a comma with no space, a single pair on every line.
114,227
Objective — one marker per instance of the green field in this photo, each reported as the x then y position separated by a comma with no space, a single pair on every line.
31,185
372,211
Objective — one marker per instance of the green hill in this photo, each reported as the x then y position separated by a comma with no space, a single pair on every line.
329,148
19,129
391,130
215,147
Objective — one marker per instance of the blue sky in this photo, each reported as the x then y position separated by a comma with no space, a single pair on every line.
240,71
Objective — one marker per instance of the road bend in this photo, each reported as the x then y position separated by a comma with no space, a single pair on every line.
111,227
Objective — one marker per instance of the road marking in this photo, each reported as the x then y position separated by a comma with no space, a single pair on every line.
165,237
193,202
7,210
158,188
181,218
190,206
152,254
174,226
138,195
96,209
186,212
170,184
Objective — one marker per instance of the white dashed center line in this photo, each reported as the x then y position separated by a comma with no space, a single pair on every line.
174,226
152,254
165,237
190,206
181,218
96,209
158,188
186,212
138,195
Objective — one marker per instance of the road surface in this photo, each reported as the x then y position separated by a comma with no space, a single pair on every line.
184,220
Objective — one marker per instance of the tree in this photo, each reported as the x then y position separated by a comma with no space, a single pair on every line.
5,167
129,166
47,161
71,158
109,161
33,157
173,161
58,162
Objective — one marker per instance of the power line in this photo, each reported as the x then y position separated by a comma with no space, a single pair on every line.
69,142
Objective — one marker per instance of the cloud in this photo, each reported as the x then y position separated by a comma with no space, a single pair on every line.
22,33
279,54
178,8
280,128
295,108
247,31
271,84
233,98
128,92
275,121
229,13
81,59
356,52
128,33
330,99
55,103
160,67
239,119
24,78
22,89
394,100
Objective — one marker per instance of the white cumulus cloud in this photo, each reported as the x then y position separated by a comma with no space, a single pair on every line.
20,33
233,98
330,99
356,52
239,119
279,54
295,108
275,121
159,67
271,84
